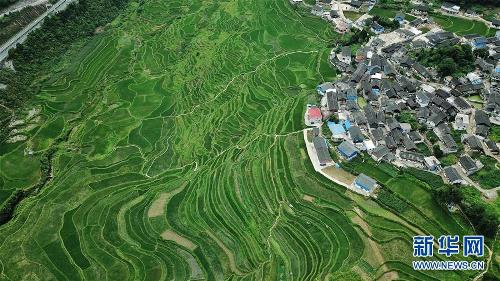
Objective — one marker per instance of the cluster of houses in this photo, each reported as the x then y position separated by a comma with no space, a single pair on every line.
367,109
333,11
322,158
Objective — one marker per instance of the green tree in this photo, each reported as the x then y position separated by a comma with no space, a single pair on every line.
447,67
482,53
333,118
437,151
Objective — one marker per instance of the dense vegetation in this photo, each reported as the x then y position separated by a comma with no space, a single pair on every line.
484,216
408,117
495,133
45,45
358,37
387,23
431,179
13,22
6,3
391,200
489,176
454,60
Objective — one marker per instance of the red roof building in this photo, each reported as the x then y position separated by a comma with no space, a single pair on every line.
314,115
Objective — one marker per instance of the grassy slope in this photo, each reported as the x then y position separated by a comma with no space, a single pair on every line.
205,99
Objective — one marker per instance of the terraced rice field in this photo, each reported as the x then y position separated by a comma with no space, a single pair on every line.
179,156
463,26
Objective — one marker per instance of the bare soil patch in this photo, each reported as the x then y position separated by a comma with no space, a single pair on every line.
308,198
158,206
339,174
173,236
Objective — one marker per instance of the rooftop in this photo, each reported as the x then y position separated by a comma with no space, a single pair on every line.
322,150
467,163
314,112
365,182
347,148
452,175
412,156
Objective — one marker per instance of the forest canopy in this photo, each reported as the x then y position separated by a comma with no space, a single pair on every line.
453,60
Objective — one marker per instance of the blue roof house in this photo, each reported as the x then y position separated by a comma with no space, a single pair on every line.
479,42
338,131
347,124
377,28
347,150
400,18
365,183
325,87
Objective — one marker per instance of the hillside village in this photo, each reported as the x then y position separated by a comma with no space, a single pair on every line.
388,105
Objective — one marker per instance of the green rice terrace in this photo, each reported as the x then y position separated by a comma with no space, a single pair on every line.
463,26
170,147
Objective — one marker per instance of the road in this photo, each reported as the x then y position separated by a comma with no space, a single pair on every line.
21,5
23,34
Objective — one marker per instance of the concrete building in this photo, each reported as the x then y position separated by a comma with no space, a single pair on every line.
432,163
469,165
345,55
462,122
450,8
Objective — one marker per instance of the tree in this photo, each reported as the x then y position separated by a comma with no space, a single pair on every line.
448,60
489,277
467,3
447,67
447,194
437,151
431,136
333,118
48,43
386,22
358,37
484,217
482,53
